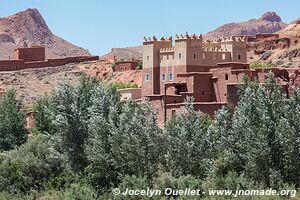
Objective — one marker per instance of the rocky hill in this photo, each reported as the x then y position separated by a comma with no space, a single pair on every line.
125,53
283,51
28,28
269,22
33,83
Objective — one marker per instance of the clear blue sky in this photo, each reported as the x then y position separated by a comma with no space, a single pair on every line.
99,25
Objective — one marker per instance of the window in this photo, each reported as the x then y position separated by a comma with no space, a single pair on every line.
163,77
179,56
223,56
194,56
171,77
203,93
147,77
239,57
226,77
147,58
203,56
173,112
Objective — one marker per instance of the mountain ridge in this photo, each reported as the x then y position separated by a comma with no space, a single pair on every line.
269,22
27,28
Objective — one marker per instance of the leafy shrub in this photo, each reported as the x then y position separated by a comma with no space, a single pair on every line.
31,165
113,66
79,192
140,65
120,85
261,64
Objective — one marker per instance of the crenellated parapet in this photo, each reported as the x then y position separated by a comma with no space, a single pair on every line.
188,37
167,50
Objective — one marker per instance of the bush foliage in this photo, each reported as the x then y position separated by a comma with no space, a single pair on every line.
87,142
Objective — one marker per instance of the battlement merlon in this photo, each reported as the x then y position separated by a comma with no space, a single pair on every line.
188,37
153,39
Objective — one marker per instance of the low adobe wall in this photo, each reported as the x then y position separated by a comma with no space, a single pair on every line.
12,65
130,93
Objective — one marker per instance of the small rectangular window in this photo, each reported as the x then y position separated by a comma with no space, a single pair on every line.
147,77
179,56
163,77
147,58
223,56
173,112
171,77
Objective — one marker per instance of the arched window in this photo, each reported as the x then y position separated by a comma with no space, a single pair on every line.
163,77
239,56
226,77
179,56
194,56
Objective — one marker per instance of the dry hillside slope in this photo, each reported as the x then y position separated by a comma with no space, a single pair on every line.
28,28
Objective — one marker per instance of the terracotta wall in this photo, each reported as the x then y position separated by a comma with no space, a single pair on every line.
11,65
30,54
126,65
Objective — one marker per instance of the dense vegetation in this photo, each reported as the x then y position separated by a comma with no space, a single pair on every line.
87,142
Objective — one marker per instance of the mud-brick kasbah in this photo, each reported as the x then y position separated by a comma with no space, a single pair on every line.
209,71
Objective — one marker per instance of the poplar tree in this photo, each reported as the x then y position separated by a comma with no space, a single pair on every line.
12,122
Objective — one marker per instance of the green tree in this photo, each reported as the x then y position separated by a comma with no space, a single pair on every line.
124,140
44,114
72,104
189,146
288,130
256,144
12,122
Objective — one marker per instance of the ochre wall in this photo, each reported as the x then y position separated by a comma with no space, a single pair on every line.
11,65
30,54
126,65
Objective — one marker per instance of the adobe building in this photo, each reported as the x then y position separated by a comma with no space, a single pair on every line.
209,71
126,65
31,54
192,67
130,93
34,57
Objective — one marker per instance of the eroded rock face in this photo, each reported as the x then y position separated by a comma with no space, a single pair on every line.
28,28
269,22
271,17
